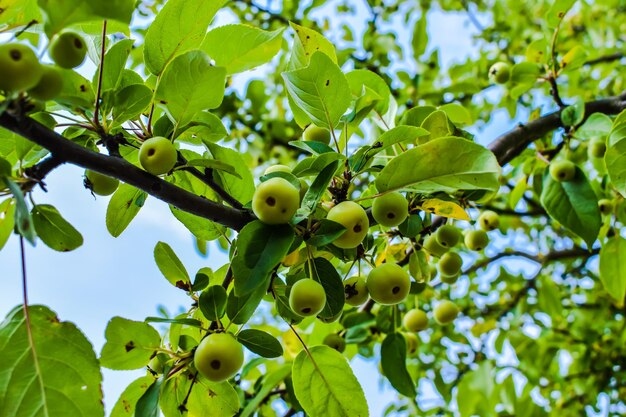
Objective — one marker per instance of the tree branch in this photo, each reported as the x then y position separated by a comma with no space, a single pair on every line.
68,151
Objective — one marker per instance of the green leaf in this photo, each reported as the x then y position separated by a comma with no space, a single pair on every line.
7,220
59,14
441,165
260,342
320,90
615,159
190,84
203,229
240,186
240,47
54,230
573,204
213,164
419,41
270,381
148,403
574,114
416,115
326,274
184,322
401,134
557,11
305,44
115,61
326,232
457,113
393,361
212,302
77,91
312,147
180,26
325,385
314,165
360,78
59,377
123,207
130,102
129,344
125,405
240,309
573,59
597,125
217,399
613,268
260,248
437,125
316,191
23,220
171,267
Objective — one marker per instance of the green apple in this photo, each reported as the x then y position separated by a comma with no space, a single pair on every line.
445,312
354,218
500,73
218,357
449,279
388,284
316,134
100,184
489,220
19,67
158,155
411,342
390,209
448,236
476,240
307,297
433,247
50,84
156,365
68,50
597,148
335,341
562,170
415,320
606,206
450,264
275,201
355,289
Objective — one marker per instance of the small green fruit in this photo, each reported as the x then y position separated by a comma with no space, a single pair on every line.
489,220
448,236
156,365
445,312
606,206
275,201
354,218
307,297
277,168
335,341
355,289
68,50
388,284
100,184
316,134
597,148
304,187
390,209
50,84
450,264
433,247
476,240
500,72
158,155
562,170
19,67
415,320
218,357
411,342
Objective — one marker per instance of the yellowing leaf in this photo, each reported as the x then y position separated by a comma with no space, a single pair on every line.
445,208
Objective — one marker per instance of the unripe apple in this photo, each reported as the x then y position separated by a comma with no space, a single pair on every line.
388,284
218,357
597,148
606,206
156,365
355,290
448,236
562,170
449,279
307,297
354,218
19,67
390,209
415,320
489,220
292,258
304,187
50,84
68,50
100,184
275,201
158,155
445,312
411,342
316,134
500,72
276,168
450,264
476,240
433,247
335,341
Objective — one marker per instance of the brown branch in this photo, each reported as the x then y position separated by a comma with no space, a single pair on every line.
115,167
606,58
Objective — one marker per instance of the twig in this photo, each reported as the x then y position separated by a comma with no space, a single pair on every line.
100,71
207,178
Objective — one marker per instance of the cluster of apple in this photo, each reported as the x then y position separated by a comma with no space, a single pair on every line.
21,71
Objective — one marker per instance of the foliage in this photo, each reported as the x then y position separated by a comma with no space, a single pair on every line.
540,330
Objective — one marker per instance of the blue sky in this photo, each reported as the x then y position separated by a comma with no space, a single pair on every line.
117,276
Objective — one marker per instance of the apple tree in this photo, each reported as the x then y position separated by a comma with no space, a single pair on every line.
343,168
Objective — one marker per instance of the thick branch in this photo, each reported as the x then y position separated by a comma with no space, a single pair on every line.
68,151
